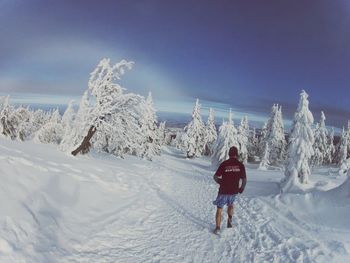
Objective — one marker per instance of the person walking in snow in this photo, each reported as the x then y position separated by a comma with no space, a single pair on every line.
228,176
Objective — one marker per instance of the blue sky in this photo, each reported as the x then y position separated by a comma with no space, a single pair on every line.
245,55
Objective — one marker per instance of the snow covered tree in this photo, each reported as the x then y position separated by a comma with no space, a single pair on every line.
52,131
178,140
68,116
210,133
243,134
78,126
114,115
226,139
274,138
38,119
195,133
264,163
69,127
321,147
253,145
7,127
300,150
342,149
348,138
262,140
331,148
150,144
168,140
21,122
161,132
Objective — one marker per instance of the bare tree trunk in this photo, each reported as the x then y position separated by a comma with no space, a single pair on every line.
85,145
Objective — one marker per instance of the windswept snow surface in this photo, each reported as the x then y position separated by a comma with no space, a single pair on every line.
98,208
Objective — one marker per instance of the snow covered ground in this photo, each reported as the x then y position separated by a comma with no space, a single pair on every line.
59,208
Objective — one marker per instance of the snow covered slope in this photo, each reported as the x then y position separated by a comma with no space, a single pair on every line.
59,208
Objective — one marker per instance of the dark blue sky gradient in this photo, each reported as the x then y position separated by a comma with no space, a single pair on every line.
248,54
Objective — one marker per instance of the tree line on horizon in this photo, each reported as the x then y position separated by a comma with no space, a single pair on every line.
111,120
108,119
297,152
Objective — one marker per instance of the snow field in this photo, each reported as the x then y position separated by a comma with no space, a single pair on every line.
98,208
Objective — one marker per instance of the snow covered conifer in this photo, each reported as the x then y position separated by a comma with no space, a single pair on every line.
253,145
79,124
178,140
195,133
342,151
69,126
264,163
348,138
38,119
210,133
161,132
226,139
273,137
243,134
150,145
68,116
83,110
262,140
300,151
321,148
331,148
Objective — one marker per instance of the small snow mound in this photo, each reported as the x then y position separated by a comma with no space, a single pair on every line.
342,192
5,247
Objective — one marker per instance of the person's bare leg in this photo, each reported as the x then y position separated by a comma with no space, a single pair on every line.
218,218
230,215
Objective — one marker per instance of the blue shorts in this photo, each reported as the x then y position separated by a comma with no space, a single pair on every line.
223,200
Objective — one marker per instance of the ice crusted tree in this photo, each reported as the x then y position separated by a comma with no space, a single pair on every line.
39,119
331,148
178,140
262,140
253,145
226,139
243,134
52,131
342,151
7,127
21,120
264,163
348,139
168,138
274,138
161,133
210,133
78,125
68,124
150,144
68,116
321,148
300,150
195,133
114,115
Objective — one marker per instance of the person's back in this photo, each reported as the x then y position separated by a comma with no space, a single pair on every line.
231,171
228,175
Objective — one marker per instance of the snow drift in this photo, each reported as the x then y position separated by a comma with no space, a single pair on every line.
98,208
